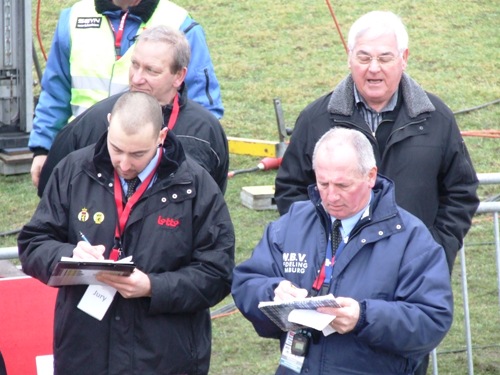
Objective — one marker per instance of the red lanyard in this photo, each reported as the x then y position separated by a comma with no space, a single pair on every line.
175,113
318,283
322,283
119,35
321,278
124,213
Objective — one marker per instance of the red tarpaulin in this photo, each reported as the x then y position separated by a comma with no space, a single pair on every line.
26,323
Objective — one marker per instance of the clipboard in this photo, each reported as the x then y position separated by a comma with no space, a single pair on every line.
82,272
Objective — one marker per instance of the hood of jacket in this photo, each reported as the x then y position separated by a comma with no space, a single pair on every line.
416,99
144,10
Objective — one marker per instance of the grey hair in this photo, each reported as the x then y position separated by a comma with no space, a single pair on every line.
382,22
136,109
175,40
342,136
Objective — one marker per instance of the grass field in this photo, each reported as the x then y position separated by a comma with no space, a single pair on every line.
265,49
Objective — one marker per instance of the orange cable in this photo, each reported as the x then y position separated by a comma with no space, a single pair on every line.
225,314
337,26
39,37
488,133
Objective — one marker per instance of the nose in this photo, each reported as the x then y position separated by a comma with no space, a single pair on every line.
125,164
136,76
332,193
374,65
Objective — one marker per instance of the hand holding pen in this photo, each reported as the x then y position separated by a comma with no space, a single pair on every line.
85,250
286,290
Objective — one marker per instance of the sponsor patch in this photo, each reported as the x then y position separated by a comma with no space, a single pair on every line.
168,222
295,262
88,22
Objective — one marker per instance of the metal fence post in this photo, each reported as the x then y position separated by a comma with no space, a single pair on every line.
497,246
465,294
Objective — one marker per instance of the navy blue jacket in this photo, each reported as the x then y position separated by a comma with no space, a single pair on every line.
390,263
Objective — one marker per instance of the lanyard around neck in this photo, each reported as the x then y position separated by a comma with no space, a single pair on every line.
175,113
322,283
119,34
124,212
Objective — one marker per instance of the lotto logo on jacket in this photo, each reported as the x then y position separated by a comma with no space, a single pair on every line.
294,262
168,222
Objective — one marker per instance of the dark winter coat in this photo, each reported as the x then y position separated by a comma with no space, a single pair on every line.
179,233
425,156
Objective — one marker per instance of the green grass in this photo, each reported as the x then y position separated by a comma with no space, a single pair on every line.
265,49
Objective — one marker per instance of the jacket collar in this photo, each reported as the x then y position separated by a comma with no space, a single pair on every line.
415,98
183,98
144,10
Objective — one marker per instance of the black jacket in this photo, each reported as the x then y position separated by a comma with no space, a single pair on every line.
179,233
424,155
200,133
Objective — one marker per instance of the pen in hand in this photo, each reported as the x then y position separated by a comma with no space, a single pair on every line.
82,236
88,252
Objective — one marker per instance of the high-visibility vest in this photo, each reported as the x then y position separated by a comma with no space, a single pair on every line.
95,72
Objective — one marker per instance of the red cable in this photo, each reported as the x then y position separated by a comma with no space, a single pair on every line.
37,25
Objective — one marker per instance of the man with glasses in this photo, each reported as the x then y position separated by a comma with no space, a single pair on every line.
415,137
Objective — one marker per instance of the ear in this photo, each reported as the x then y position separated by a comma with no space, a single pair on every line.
372,177
405,55
162,136
179,77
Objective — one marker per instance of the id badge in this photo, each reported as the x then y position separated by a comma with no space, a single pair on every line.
96,300
289,360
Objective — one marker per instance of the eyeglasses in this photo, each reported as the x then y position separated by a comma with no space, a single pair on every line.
382,59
